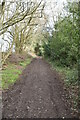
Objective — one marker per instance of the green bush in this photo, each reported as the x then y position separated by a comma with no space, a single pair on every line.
38,50
63,44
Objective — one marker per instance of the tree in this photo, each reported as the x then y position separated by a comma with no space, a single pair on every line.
20,22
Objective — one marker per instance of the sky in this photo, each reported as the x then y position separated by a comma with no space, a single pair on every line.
53,8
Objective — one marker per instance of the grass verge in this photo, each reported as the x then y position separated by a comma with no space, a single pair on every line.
12,71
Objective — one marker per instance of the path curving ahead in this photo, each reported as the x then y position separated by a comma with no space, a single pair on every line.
39,93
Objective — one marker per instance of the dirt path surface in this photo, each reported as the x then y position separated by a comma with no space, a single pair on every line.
39,93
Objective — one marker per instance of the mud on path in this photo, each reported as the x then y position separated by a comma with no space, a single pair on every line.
39,93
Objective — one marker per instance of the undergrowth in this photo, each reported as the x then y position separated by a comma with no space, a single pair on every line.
70,78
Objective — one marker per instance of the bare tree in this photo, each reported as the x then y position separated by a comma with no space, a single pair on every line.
21,20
